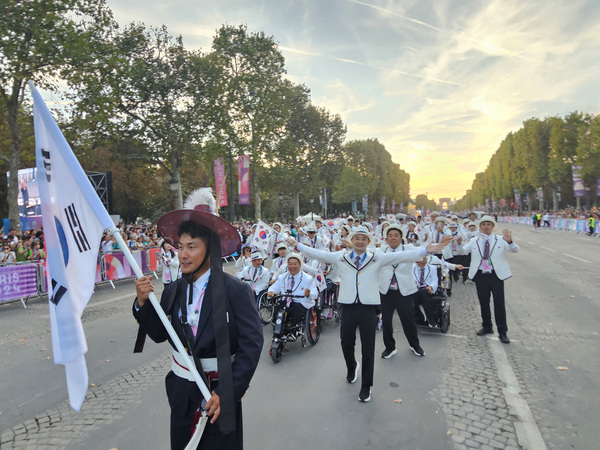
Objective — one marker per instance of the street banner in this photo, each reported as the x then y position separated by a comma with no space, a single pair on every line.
263,236
487,204
365,203
503,202
220,182
394,206
325,200
517,198
17,281
540,194
74,219
494,204
598,187
382,205
244,180
578,187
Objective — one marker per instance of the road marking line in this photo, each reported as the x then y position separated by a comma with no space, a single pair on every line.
576,257
530,243
528,433
549,249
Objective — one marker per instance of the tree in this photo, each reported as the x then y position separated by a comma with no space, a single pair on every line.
42,41
249,96
350,186
151,89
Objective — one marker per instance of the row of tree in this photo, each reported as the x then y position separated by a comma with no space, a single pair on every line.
157,114
541,154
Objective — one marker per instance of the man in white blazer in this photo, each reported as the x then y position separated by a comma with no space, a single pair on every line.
296,282
256,275
397,290
359,296
489,269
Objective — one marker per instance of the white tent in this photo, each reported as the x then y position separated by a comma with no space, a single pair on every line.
310,217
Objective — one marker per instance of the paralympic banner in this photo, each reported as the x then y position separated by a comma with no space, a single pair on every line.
394,206
153,259
18,281
220,182
116,267
244,179
578,187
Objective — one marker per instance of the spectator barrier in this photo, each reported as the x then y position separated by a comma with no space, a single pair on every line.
579,225
20,281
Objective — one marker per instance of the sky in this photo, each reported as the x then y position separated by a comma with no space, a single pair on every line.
439,83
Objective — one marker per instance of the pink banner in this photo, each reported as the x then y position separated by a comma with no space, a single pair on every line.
244,179
153,258
220,182
116,266
18,281
393,206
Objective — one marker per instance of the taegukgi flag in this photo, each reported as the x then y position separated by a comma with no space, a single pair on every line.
263,236
74,219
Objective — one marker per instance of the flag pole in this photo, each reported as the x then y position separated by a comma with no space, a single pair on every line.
161,314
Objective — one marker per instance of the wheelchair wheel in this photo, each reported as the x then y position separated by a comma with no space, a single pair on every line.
445,319
312,326
276,351
265,308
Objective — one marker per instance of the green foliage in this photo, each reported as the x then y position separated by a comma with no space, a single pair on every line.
540,155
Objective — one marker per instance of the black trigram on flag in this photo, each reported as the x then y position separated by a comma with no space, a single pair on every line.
78,234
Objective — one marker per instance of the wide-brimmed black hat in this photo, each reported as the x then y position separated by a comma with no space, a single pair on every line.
200,207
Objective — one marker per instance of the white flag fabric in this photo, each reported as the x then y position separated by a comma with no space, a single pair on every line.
320,281
264,237
74,219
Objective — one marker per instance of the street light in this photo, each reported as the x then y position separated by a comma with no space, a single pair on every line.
231,205
281,206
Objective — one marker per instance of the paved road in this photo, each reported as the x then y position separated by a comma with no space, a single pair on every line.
468,392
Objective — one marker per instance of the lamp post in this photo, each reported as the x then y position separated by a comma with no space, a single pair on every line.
231,205
281,206
312,200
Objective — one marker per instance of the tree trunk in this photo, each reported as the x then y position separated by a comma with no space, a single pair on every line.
175,182
257,209
296,205
13,164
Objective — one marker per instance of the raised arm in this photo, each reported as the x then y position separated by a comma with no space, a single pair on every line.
319,255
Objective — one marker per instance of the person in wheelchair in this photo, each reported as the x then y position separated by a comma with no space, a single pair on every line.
279,261
295,282
426,278
256,275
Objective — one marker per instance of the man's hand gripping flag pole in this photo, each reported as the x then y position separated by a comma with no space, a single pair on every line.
74,218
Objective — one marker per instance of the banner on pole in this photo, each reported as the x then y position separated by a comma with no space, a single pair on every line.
382,205
220,182
517,198
394,206
578,187
244,179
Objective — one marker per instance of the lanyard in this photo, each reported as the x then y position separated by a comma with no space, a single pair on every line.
196,313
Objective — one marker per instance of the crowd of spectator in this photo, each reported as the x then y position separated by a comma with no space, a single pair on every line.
27,247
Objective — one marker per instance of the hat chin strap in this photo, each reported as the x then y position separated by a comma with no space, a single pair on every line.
190,277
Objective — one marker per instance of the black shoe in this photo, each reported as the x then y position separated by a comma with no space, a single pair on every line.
504,338
485,331
417,350
387,354
365,394
449,293
353,374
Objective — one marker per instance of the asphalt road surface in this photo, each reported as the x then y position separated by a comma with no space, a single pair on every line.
541,391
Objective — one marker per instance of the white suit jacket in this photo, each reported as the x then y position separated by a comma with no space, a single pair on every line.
497,257
257,279
363,283
302,281
403,271
431,278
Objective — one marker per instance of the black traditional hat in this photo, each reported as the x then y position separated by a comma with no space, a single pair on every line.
200,207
